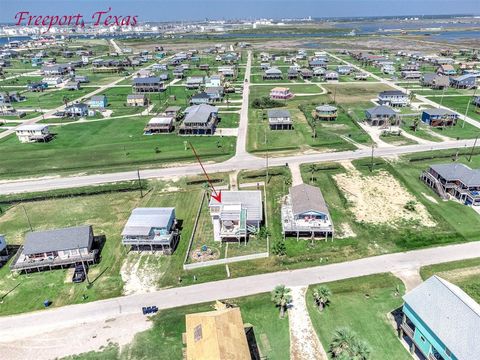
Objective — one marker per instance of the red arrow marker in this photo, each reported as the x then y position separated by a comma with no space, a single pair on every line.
215,195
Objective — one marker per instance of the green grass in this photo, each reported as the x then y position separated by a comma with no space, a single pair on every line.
164,340
228,120
105,145
52,98
365,315
107,213
459,104
397,139
463,273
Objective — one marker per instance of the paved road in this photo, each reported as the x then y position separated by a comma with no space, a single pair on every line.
245,161
16,327
241,149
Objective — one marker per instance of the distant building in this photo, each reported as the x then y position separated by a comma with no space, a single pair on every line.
200,98
381,116
326,112
159,125
439,117
151,229
454,180
467,81
147,85
272,74
98,102
137,100
279,119
58,69
280,93
446,69
441,321
435,81
33,133
330,75
194,82
393,98
76,110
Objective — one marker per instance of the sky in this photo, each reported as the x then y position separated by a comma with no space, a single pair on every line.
168,10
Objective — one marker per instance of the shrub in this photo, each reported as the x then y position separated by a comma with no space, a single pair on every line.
265,102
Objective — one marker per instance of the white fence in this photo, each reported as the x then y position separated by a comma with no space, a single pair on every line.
225,261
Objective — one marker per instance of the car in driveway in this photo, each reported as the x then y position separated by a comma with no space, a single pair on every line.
79,275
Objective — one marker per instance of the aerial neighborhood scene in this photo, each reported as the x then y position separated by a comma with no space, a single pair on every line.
235,180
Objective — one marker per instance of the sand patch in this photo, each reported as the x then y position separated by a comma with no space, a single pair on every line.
139,274
460,274
345,231
380,199
304,343
430,198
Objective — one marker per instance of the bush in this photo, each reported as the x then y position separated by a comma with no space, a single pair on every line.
410,205
279,248
266,103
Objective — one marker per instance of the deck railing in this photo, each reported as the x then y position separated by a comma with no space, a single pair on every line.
55,261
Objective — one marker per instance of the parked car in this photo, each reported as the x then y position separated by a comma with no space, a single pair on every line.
149,310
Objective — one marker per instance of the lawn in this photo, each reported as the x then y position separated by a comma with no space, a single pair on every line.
463,273
459,104
107,213
228,120
106,145
52,98
301,137
362,304
164,340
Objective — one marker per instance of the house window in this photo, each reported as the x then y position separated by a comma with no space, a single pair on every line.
197,333
422,338
448,352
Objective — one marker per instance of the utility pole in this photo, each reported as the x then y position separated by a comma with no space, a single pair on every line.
28,219
468,106
371,159
473,148
140,183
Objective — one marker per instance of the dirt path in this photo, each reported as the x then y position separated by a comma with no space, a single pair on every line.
410,278
304,343
296,174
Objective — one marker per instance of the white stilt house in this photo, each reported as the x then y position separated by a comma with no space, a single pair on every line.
240,213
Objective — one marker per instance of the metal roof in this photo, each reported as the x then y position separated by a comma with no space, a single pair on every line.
438,111
32,127
142,220
380,110
452,315
58,239
392,93
278,113
249,199
457,171
306,198
147,80
326,108
161,120
199,113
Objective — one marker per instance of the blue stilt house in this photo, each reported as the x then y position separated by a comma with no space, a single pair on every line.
441,322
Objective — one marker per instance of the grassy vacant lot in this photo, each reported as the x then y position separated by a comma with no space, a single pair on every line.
463,273
458,103
105,145
164,340
362,304
329,135
108,214
50,99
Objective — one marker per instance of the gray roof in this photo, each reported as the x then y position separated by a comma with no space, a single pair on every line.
147,80
392,93
273,71
305,198
199,113
278,113
380,110
98,98
142,220
438,111
326,108
136,96
58,239
173,109
450,314
457,171
249,199
32,127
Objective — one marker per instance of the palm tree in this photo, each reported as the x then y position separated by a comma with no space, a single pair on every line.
281,297
341,342
287,182
345,345
321,295
312,168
